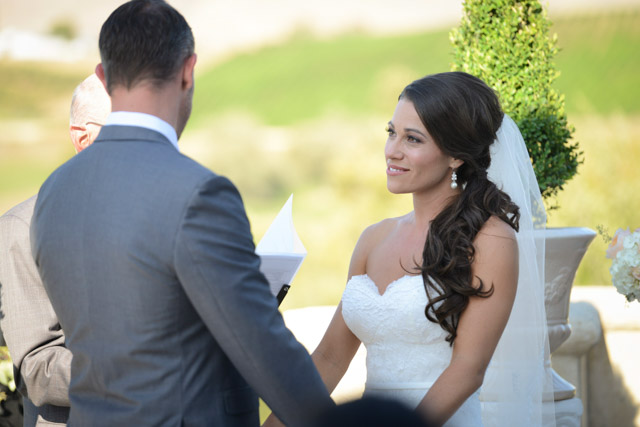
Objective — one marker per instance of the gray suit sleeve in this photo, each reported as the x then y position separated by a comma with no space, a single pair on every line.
216,263
35,340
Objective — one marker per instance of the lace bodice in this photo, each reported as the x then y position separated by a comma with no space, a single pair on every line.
406,353
402,344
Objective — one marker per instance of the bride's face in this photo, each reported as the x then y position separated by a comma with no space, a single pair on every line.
415,164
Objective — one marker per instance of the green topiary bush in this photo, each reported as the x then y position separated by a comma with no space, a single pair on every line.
506,43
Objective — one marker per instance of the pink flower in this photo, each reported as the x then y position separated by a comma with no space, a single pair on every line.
616,243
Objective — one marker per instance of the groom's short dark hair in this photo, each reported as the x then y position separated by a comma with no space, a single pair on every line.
144,40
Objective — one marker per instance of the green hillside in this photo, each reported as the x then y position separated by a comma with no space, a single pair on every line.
31,90
599,59
301,79
305,78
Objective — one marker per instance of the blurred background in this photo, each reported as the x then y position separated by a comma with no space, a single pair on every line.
293,97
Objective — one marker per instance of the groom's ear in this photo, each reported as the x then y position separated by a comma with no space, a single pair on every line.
100,74
187,71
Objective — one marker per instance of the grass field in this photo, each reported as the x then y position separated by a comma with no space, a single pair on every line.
300,80
305,78
308,117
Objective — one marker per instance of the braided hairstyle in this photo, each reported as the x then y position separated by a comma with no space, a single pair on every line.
462,115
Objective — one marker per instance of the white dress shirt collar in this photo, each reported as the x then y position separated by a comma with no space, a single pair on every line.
132,118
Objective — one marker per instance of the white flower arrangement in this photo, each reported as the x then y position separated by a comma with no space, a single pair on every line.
624,251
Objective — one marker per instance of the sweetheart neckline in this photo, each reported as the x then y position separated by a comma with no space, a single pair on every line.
387,288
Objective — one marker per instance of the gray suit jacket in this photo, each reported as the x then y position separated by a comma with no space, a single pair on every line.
149,262
42,363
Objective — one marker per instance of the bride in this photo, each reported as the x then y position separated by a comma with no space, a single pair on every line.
448,299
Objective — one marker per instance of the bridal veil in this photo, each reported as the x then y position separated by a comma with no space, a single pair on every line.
517,388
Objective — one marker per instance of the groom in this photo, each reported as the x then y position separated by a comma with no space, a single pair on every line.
149,261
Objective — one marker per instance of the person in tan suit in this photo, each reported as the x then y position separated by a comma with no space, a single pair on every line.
31,329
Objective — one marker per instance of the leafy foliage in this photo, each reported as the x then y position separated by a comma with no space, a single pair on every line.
6,369
506,43
64,28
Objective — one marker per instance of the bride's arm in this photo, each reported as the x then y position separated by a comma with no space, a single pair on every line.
338,345
481,323
335,351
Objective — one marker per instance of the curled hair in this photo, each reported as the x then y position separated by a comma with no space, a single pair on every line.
144,40
462,114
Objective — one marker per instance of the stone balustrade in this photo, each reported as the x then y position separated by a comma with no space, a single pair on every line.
601,357
308,325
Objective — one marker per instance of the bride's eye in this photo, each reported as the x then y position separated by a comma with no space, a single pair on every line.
390,131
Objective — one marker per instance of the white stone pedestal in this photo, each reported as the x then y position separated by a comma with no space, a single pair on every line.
568,412
571,358
564,249
607,374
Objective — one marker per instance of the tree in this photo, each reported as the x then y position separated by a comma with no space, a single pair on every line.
506,43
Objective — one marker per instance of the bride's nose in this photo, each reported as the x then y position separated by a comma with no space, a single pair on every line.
391,151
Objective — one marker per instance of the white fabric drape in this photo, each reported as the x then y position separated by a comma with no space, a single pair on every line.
518,389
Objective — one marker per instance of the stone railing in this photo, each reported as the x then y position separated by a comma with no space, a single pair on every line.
308,325
600,358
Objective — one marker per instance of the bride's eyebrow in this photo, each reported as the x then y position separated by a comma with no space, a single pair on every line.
390,125
414,130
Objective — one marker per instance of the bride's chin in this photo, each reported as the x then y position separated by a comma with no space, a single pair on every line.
394,190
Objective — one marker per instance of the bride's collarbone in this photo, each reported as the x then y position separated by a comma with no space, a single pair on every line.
397,253
385,268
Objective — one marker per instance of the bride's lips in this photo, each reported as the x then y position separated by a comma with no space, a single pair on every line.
393,170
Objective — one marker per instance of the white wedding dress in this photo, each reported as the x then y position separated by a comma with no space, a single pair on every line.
406,353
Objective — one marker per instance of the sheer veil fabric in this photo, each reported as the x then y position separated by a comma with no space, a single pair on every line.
517,388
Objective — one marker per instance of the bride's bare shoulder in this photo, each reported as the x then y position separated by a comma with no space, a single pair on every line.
378,231
496,255
495,228
496,243
371,237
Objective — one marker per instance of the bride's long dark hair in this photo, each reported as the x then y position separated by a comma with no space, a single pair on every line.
462,115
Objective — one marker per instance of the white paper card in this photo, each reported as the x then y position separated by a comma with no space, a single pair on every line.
281,251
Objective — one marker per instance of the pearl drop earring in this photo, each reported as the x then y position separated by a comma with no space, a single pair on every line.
454,180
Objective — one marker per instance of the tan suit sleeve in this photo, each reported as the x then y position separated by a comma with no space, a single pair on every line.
36,342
